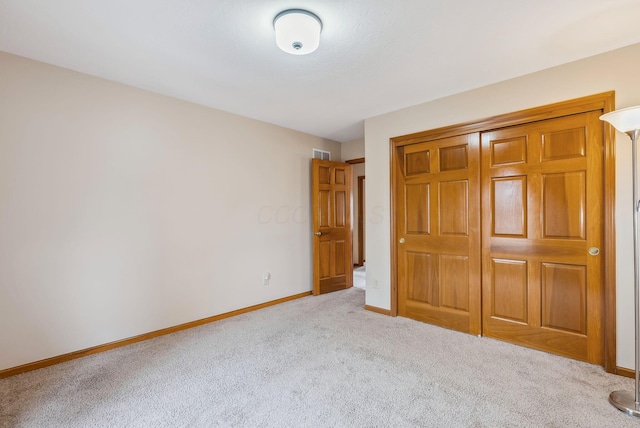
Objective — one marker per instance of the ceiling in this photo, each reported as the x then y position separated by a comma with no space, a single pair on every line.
375,56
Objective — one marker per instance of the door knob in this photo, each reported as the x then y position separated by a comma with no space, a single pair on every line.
594,251
318,233
401,240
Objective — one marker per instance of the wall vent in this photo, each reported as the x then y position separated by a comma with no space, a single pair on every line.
321,154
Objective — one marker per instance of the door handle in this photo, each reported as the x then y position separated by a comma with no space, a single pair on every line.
401,240
318,233
594,251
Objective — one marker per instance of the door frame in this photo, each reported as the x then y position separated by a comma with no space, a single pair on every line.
603,102
361,220
360,261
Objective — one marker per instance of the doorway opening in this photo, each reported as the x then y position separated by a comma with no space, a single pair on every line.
359,222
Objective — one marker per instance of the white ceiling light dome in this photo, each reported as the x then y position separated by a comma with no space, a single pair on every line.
297,31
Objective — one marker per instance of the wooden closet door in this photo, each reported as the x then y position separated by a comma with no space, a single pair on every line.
542,197
438,232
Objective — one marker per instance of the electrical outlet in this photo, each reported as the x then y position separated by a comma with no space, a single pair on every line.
376,286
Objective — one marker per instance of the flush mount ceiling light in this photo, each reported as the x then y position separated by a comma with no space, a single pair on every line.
297,31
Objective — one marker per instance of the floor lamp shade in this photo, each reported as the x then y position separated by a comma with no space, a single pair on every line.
627,120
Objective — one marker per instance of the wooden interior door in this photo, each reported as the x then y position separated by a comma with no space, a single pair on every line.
331,206
437,212
542,197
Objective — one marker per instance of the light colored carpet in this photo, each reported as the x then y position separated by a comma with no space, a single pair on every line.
315,362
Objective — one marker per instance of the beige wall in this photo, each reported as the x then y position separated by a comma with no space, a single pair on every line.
354,150
124,211
616,70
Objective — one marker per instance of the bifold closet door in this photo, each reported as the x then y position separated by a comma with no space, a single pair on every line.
542,235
